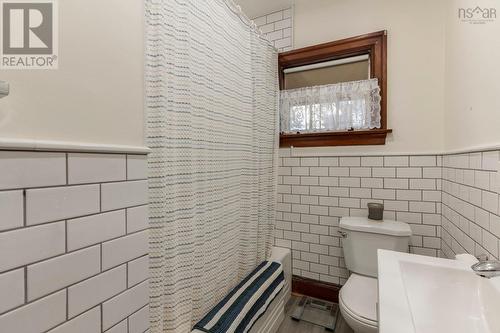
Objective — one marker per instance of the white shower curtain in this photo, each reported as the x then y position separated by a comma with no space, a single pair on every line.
211,86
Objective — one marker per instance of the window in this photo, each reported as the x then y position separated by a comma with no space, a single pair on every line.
335,93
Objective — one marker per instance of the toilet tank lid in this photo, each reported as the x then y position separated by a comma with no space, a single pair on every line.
384,227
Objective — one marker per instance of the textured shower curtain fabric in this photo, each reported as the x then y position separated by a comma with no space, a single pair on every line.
211,86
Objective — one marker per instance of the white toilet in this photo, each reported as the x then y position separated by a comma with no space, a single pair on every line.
361,238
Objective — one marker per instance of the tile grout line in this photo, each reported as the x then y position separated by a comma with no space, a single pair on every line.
66,236
102,316
76,250
24,210
57,186
100,198
100,257
67,303
75,218
67,168
25,285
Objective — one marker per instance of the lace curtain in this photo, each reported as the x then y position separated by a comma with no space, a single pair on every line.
333,107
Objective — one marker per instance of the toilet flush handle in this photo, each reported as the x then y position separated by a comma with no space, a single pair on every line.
342,233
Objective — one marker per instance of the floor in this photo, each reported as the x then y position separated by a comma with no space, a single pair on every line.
292,326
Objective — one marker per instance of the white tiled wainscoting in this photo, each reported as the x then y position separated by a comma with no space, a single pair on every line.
278,28
471,221
450,201
73,242
315,192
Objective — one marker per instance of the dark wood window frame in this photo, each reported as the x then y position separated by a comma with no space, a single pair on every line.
375,45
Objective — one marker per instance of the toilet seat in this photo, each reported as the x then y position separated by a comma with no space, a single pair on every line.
355,324
358,300
356,317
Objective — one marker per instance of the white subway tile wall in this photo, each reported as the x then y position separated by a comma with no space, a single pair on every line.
81,250
125,305
278,28
139,321
74,242
451,203
122,327
315,192
471,219
89,322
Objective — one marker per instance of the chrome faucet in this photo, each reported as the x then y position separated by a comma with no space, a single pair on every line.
486,268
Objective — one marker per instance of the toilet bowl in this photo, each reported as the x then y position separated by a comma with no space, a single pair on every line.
361,238
358,303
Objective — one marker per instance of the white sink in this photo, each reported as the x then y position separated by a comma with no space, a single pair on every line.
420,294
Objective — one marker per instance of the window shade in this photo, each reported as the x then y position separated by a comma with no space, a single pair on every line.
352,71
333,107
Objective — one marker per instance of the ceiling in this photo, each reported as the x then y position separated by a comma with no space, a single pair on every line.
256,8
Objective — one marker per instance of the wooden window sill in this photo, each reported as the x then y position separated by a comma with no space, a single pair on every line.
351,138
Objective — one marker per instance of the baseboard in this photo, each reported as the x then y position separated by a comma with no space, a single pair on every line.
317,289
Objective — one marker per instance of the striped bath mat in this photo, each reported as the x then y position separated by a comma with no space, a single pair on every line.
241,308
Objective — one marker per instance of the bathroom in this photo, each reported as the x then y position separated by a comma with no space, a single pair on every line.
207,166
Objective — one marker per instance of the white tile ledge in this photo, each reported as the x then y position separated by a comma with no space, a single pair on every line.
332,152
69,146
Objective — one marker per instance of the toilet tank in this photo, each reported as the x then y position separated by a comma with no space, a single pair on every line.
362,237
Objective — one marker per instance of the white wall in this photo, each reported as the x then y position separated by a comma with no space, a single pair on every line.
472,79
256,8
416,38
96,95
